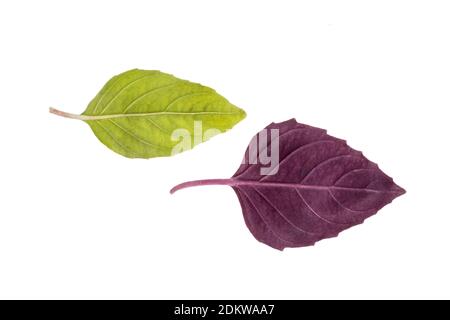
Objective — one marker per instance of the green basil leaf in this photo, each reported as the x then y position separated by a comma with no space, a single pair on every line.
145,114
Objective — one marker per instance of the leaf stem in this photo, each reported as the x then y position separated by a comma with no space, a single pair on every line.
68,115
206,182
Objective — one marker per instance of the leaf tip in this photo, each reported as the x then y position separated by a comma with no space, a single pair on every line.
397,190
242,114
400,191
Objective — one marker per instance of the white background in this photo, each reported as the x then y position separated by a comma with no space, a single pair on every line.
78,221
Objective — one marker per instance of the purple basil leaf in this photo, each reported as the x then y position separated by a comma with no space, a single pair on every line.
320,187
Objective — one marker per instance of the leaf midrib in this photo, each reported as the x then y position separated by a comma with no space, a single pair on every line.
149,114
233,182
238,182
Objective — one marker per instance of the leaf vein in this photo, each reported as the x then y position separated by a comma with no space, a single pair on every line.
281,214
121,90
184,96
263,220
133,102
133,153
133,135
265,148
